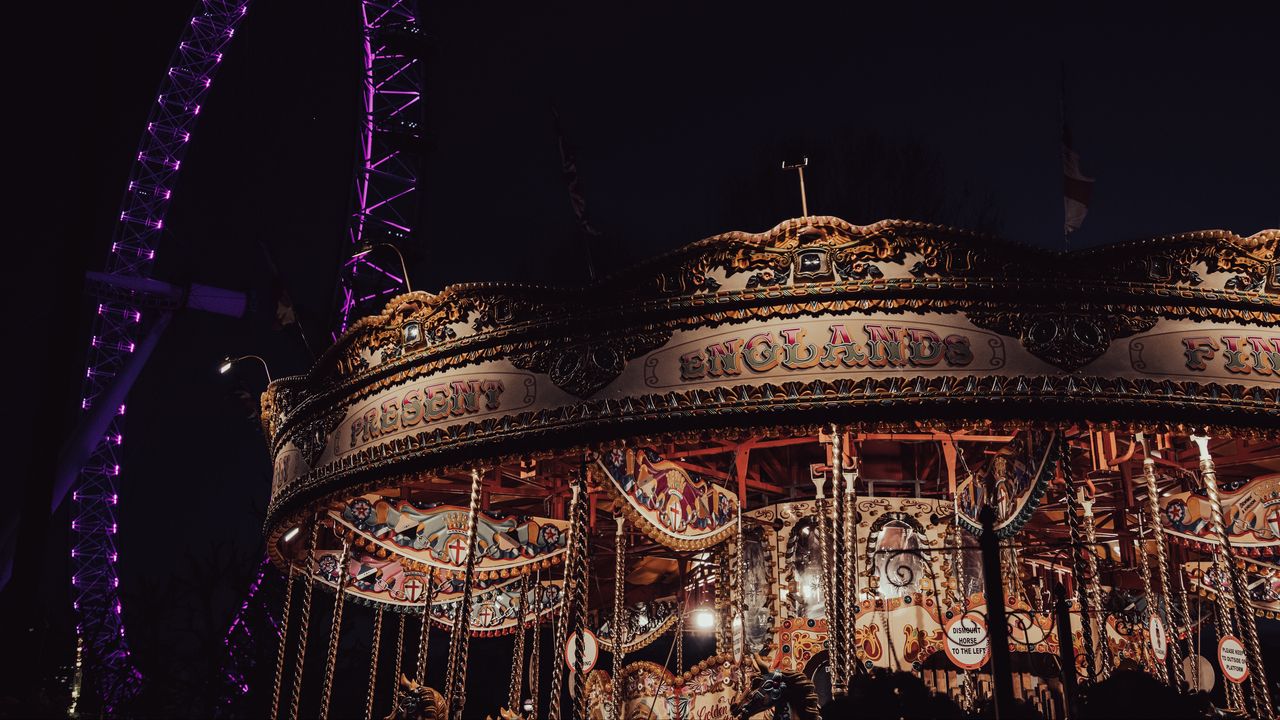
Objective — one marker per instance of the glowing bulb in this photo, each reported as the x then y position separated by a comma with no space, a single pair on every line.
225,366
292,534
704,619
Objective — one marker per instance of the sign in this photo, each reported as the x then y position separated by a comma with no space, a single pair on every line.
590,651
968,643
1232,660
1159,641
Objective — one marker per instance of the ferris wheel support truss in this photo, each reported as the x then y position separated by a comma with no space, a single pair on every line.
116,326
385,211
386,183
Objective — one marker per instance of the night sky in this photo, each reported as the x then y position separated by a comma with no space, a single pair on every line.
679,117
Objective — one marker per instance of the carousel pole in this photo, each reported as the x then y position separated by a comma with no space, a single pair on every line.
1095,581
535,654
399,666
740,604
424,630
373,663
284,641
580,602
335,631
619,608
997,621
1144,570
1240,597
1080,565
517,661
571,580
460,640
825,541
1166,608
835,610
304,621
849,569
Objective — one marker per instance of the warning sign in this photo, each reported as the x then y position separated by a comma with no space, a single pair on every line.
1232,660
1159,641
968,644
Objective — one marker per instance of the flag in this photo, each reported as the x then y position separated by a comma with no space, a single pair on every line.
1076,188
569,168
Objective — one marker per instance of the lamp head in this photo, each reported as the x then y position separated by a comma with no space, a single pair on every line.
227,363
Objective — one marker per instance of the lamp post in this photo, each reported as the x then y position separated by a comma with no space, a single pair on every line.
229,362
367,248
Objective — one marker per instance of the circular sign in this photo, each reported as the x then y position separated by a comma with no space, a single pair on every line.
1199,673
1159,641
1232,660
590,651
968,643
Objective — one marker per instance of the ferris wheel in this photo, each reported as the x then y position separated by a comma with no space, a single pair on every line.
133,308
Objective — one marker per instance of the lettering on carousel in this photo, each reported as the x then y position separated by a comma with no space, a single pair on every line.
884,346
1239,354
421,405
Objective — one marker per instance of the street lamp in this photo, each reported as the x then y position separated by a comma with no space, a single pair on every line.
228,362
367,247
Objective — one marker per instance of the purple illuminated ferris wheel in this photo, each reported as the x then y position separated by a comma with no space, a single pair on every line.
132,311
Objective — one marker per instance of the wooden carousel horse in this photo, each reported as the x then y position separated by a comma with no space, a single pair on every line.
417,702
789,694
505,714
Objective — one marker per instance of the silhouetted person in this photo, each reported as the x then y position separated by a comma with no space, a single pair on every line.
883,694
1132,695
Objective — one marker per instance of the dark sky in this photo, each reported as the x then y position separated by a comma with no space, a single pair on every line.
677,113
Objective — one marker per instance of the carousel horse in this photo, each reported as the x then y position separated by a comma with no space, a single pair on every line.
417,702
789,694
505,714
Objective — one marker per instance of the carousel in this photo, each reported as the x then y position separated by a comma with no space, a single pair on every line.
829,450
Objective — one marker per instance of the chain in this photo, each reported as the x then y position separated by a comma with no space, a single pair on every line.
517,661
373,663
1258,675
284,641
620,631
1152,605
335,631
304,622
1080,565
1167,605
460,639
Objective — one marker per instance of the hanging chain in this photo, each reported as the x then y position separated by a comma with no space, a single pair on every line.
517,660
1079,562
460,638
304,621
1167,607
680,641
284,640
335,631
1239,595
373,663
620,629
1152,605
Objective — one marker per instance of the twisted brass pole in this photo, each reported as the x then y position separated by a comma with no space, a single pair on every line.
1239,594
335,631
304,621
284,641
373,663
1167,607
1145,571
535,654
1080,564
456,679
562,617
620,631
836,571
517,660
848,569
580,604
826,538
424,630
